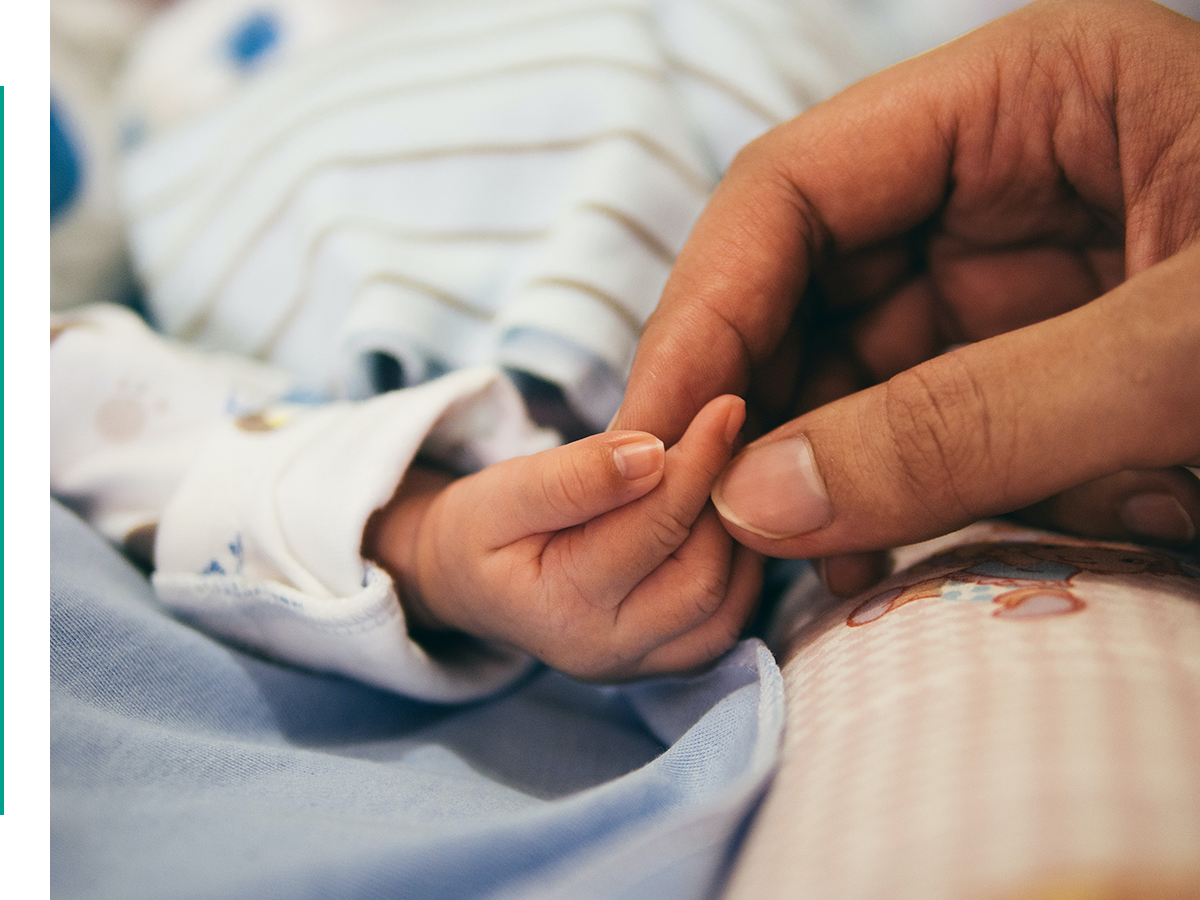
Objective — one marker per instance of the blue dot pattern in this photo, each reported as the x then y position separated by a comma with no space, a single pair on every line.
254,38
65,168
957,590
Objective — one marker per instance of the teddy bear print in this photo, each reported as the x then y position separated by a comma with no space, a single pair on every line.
123,416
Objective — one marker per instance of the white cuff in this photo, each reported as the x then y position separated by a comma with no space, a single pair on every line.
261,542
129,411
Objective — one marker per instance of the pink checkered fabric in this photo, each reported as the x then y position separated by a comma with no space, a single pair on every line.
986,734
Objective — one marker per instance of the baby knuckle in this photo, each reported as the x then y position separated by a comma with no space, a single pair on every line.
573,665
723,638
713,643
566,489
708,589
594,669
667,530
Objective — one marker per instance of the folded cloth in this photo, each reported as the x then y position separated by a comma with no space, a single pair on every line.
253,509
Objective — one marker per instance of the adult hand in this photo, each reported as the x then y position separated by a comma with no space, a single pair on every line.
1030,191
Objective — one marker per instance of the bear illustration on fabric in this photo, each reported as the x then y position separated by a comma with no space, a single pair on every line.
1024,579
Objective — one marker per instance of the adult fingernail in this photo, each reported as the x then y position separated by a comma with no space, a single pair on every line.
775,490
638,458
1159,517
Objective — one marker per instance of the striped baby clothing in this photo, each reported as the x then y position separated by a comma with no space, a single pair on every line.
442,184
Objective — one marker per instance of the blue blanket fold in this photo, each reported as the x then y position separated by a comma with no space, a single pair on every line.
183,768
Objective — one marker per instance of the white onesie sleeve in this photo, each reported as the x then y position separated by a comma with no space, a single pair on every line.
259,505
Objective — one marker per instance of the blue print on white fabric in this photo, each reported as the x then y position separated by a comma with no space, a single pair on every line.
66,169
254,38
237,550
976,593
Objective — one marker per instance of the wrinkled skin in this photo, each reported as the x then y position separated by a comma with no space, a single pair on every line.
1032,191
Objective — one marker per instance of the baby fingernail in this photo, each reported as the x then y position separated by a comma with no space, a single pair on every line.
775,490
733,425
639,458
1159,517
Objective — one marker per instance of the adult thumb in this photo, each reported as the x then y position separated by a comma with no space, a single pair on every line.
986,429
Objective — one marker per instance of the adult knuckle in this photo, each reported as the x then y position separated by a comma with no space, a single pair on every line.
940,424
753,155
715,642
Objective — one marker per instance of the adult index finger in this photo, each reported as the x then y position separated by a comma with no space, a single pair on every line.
987,429
868,164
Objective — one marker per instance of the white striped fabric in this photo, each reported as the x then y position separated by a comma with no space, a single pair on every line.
453,183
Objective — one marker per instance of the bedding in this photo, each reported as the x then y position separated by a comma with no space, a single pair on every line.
185,768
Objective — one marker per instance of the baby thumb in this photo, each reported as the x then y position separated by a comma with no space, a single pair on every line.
568,485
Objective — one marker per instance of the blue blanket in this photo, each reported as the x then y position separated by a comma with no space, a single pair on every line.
184,768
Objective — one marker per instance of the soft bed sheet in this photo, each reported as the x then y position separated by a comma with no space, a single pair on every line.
183,768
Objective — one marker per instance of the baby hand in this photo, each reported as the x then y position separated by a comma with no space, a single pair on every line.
603,558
